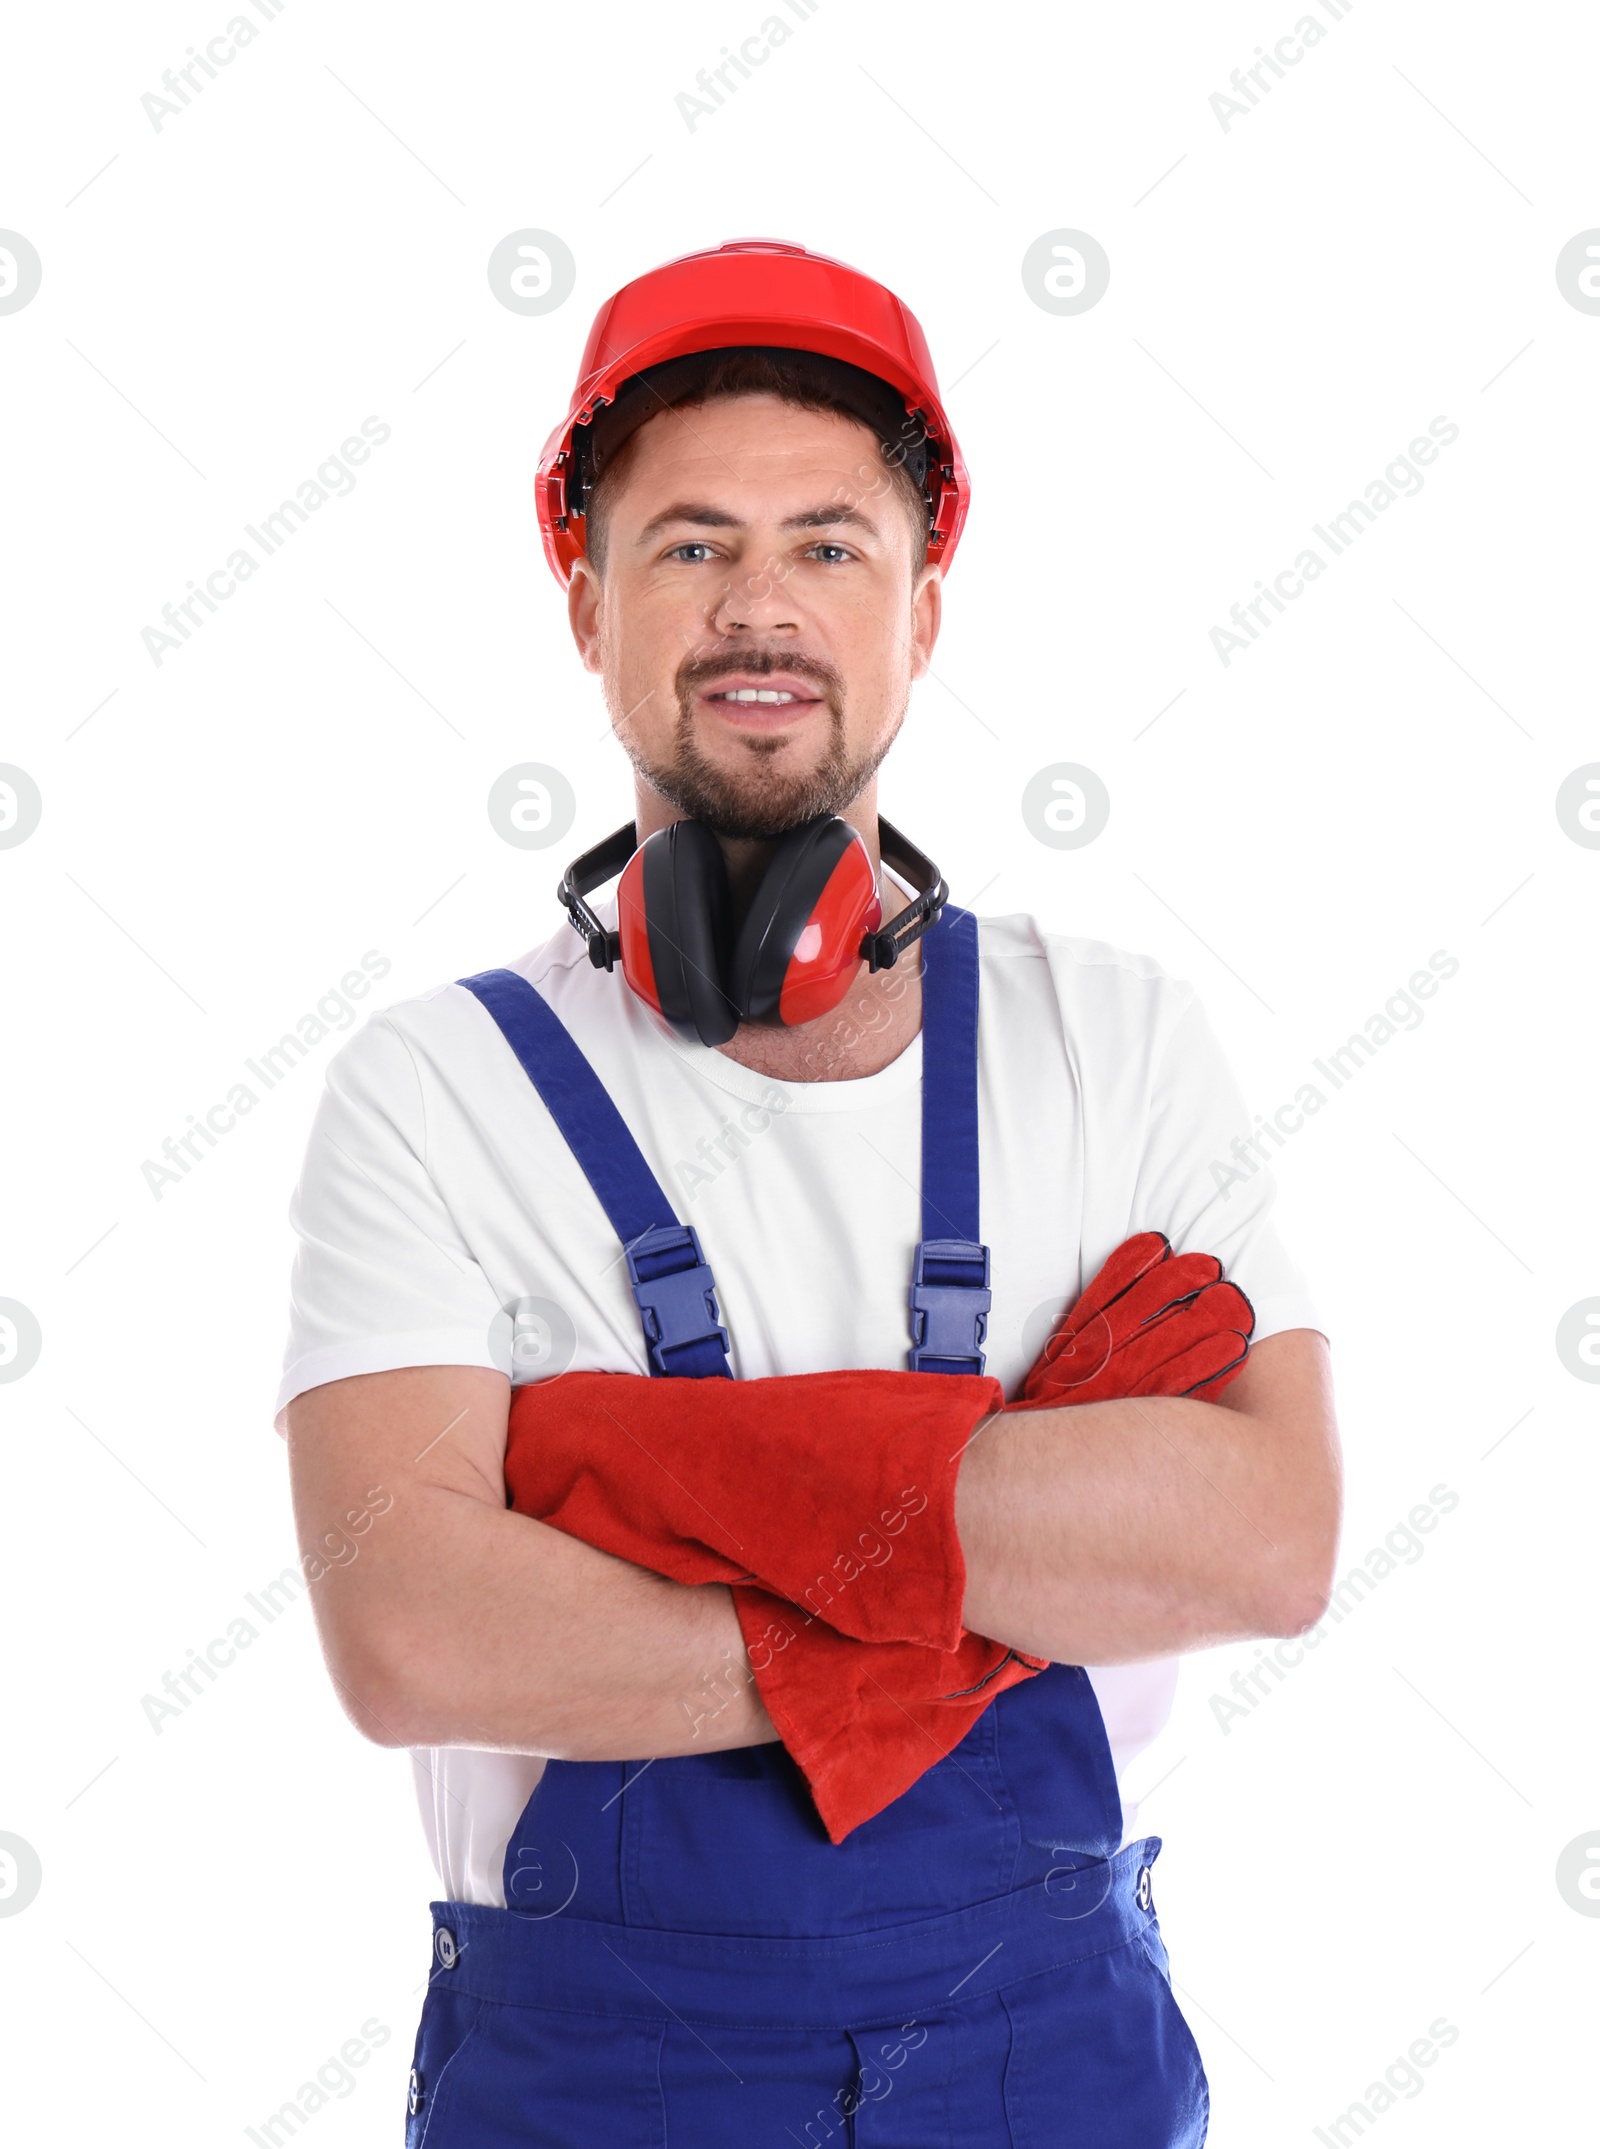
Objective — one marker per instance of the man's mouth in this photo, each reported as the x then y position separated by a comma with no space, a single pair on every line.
765,690
762,701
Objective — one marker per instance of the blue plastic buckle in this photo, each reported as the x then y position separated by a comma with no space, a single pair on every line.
950,1301
676,1295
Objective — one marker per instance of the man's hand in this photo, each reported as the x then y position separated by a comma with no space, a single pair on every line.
1150,1323
458,1623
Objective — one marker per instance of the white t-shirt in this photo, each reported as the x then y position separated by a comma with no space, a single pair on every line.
437,1192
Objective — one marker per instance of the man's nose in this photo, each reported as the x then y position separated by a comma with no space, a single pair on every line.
756,600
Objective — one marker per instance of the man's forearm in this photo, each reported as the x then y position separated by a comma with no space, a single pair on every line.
1119,1531
524,1640
451,1621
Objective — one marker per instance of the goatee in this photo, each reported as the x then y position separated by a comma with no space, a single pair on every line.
762,799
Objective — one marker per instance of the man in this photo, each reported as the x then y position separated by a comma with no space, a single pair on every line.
659,1922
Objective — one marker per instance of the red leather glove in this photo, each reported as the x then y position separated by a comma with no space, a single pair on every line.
1151,1323
833,1490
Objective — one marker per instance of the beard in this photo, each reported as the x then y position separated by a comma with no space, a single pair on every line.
761,798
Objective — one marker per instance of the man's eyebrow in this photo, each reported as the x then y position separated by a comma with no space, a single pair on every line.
695,512
831,517
699,514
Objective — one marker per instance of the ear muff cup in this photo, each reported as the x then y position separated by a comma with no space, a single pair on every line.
688,909
796,877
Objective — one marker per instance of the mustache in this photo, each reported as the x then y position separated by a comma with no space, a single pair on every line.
696,672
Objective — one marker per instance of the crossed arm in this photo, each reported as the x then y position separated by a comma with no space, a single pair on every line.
1100,1534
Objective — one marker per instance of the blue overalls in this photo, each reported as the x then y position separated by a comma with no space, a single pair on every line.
685,1960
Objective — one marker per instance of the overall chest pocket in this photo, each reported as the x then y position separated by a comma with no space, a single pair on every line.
731,1843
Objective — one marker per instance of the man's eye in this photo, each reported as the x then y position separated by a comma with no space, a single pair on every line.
826,547
695,545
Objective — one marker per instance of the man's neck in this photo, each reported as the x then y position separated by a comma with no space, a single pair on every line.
879,1015
872,1025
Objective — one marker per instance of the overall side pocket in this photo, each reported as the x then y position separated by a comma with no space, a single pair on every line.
448,2022
1154,1950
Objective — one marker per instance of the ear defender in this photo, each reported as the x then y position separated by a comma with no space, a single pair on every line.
816,916
800,943
675,915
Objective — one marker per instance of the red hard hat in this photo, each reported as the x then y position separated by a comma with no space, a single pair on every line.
755,292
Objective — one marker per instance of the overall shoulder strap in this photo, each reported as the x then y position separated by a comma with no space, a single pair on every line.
950,1295
671,1281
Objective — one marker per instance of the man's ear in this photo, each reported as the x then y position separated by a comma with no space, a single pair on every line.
583,613
927,611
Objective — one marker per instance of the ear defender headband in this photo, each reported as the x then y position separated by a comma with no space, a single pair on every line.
815,916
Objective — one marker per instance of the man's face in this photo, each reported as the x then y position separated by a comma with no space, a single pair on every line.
755,548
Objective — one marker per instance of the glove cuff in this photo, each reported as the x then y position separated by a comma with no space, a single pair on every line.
862,1722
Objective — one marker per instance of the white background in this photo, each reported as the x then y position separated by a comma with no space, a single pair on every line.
1291,302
